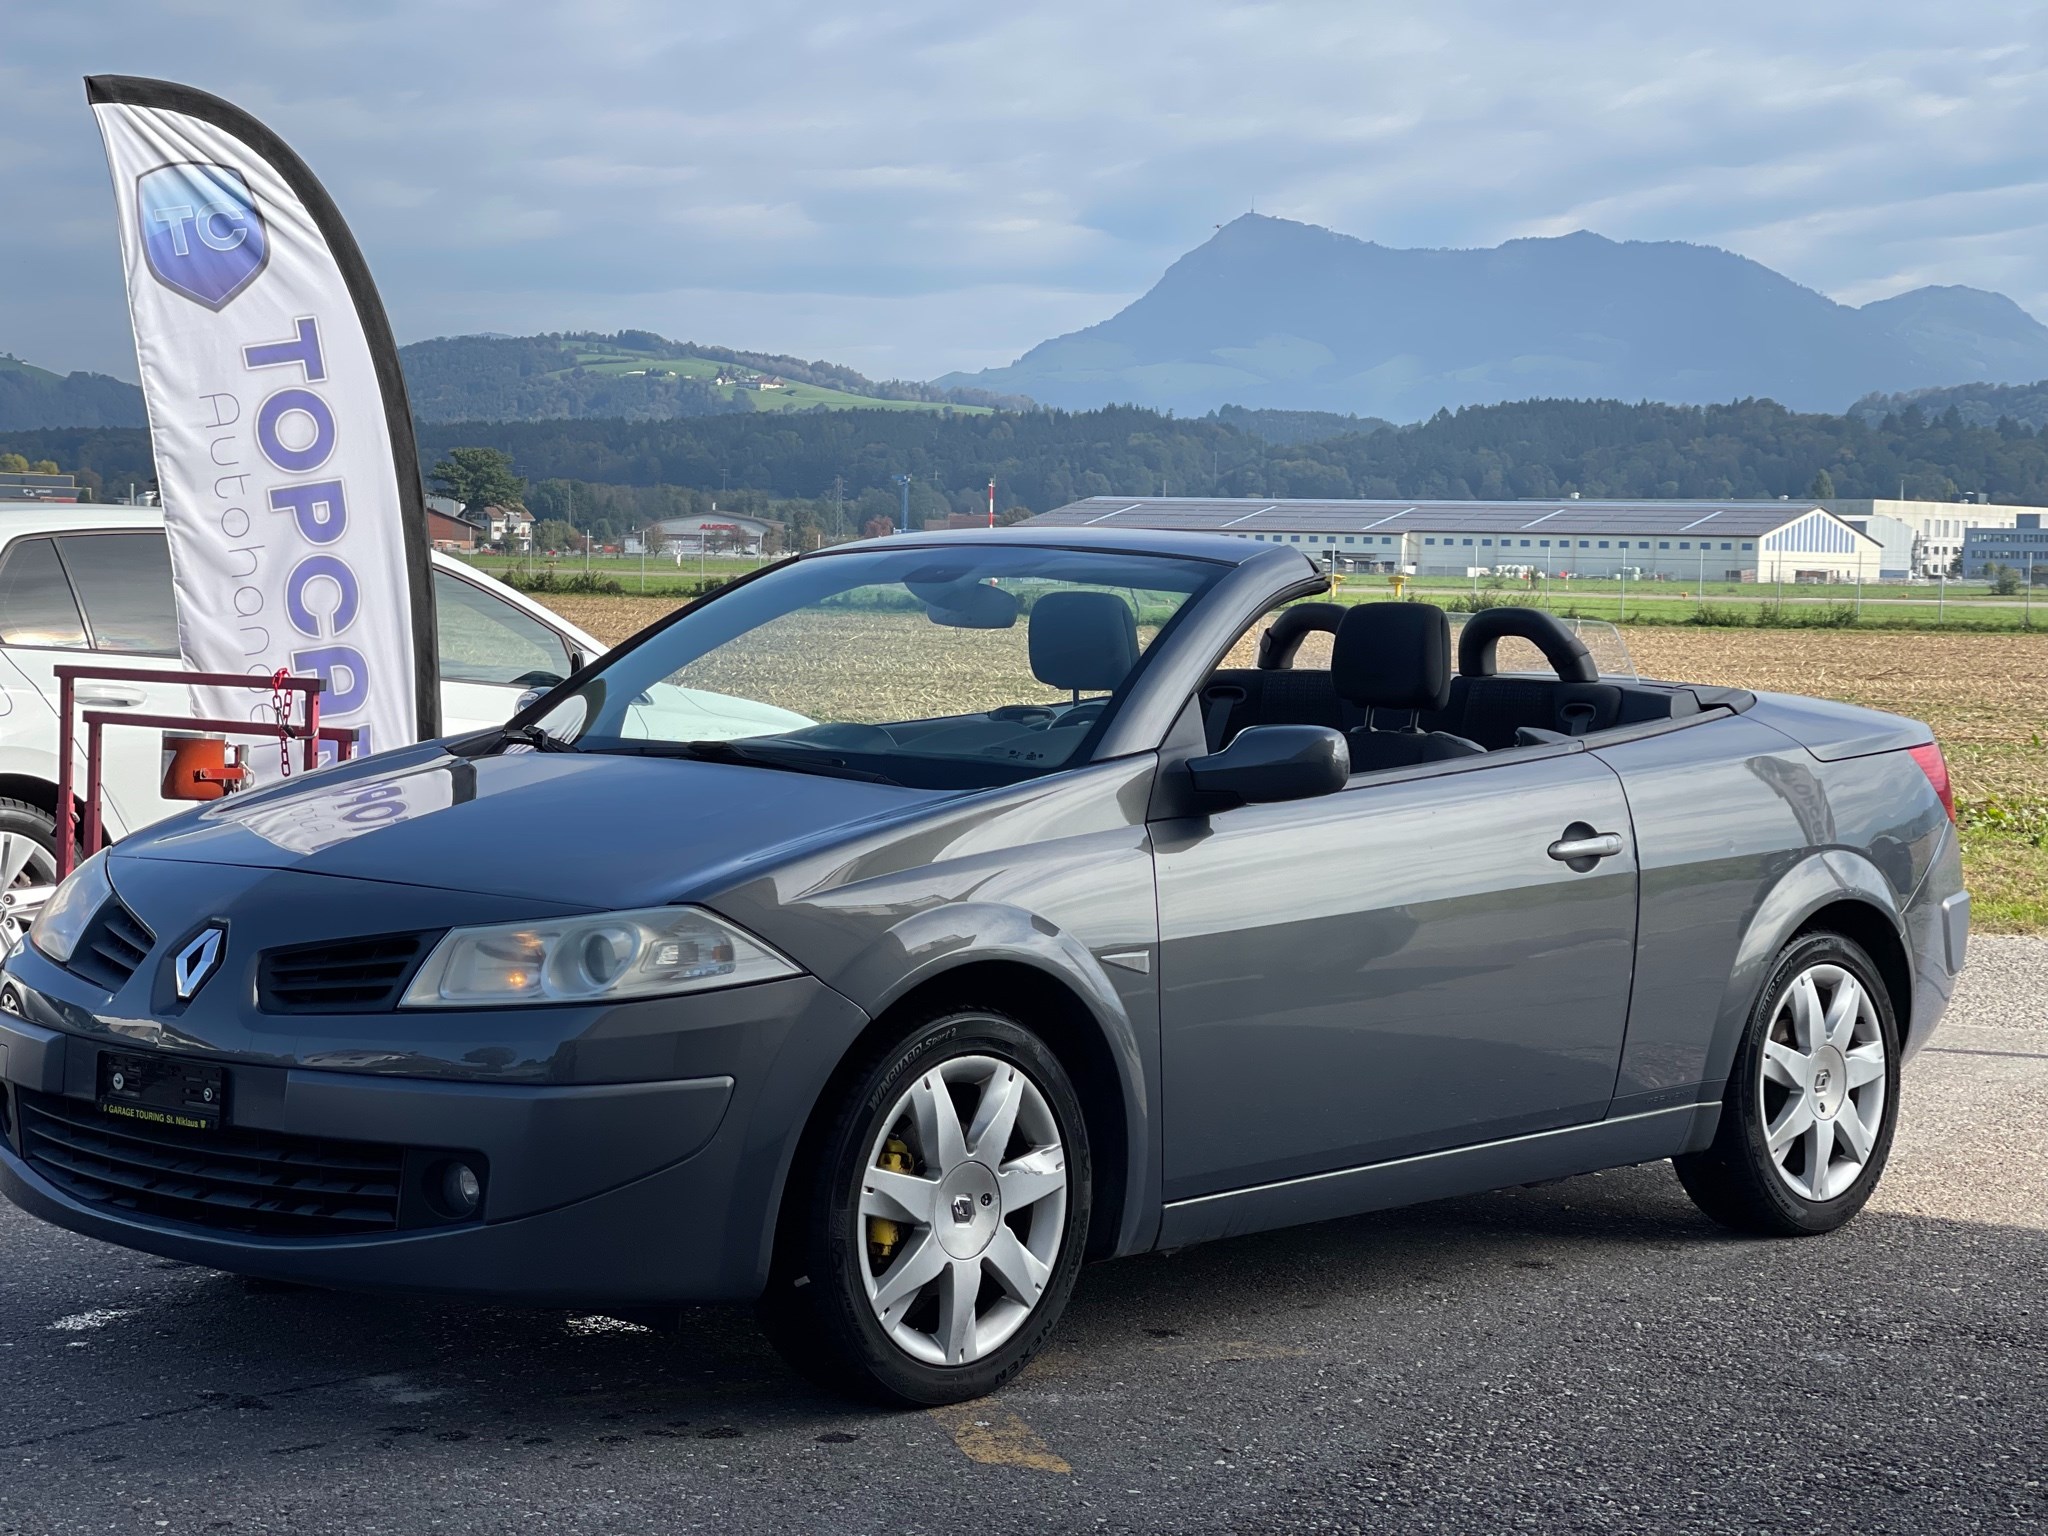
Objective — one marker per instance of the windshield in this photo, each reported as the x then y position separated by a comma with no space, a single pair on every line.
954,666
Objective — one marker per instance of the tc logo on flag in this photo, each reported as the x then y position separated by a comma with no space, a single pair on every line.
201,233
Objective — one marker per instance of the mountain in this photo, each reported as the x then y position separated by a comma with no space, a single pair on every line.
32,397
1274,314
632,375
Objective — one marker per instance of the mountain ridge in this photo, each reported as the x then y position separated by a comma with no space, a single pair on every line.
1271,313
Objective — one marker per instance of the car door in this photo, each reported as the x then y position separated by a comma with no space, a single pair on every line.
1395,969
99,597
491,652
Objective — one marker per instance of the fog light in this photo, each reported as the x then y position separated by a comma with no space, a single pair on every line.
461,1189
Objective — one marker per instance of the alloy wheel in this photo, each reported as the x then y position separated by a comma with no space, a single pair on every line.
1822,1080
962,1210
24,862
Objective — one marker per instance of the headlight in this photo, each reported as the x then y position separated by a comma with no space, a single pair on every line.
61,923
610,958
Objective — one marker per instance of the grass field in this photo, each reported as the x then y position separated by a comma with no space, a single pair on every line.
655,574
1986,695
1725,605
793,396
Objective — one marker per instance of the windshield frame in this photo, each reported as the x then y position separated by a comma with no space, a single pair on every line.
996,773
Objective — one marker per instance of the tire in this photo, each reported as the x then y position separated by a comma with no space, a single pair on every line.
1819,1068
867,1299
28,844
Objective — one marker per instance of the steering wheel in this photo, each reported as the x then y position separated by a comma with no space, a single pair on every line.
1024,714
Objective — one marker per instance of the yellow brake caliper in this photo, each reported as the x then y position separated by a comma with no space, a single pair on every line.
884,1234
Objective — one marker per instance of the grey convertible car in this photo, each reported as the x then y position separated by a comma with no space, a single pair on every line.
993,921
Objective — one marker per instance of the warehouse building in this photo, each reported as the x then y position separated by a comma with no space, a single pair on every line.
1695,541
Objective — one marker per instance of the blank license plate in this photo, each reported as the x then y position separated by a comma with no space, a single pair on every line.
162,1090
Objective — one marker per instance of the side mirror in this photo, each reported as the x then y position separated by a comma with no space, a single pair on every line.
1275,762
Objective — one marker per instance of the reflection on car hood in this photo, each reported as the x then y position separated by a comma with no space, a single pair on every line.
585,829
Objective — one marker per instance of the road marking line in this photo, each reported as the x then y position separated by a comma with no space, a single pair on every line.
996,1437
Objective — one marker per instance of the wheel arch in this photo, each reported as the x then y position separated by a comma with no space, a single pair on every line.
1828,890
1866,925
34,789
1108,1080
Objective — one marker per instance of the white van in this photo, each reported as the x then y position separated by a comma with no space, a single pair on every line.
93,583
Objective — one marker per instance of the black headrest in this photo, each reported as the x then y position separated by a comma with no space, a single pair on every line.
1290,627
1479,643
1393,656
1083,641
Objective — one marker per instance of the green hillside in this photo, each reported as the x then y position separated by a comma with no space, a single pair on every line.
32,398
783,394
639,376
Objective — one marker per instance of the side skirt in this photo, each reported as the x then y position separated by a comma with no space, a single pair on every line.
1555,1154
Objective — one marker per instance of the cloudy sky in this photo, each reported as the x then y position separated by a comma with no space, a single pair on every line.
913,186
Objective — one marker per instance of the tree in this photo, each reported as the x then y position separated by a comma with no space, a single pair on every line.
553,533
2005,581
478,477
13,464
1823,487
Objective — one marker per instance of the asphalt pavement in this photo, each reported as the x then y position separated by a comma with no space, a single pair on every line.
1585,1356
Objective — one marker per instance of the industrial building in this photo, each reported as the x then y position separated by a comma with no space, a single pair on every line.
719,533
1698,541
2022,547
1938,527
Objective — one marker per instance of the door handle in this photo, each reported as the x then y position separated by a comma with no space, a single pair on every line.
98,699
1581,847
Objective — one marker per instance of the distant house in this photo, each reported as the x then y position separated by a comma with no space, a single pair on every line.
509,525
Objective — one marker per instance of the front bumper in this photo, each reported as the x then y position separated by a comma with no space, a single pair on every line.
633,1193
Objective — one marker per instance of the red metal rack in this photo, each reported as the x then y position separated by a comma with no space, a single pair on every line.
89,835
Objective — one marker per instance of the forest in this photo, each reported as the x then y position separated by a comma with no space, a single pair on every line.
1040,459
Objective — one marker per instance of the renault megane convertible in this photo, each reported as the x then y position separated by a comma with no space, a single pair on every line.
996,923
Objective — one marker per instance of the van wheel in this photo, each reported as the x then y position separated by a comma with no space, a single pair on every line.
28,845
944,1217
1813,1099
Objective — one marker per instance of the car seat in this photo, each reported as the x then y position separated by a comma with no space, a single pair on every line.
1396,656
1487,708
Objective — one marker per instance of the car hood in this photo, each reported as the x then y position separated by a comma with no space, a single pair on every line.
579,829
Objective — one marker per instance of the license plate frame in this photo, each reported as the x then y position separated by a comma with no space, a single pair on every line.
163,1090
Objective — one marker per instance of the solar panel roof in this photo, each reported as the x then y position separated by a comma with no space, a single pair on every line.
1260,515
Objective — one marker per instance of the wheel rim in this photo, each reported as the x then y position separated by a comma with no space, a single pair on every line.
962,1210
24,862
1822,1083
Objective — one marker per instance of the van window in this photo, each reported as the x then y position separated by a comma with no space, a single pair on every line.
36,605
123,581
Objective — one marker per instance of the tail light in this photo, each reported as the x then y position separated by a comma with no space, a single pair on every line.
1935,766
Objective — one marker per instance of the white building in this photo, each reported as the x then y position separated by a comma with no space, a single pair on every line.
1940,525
1695,541
714,533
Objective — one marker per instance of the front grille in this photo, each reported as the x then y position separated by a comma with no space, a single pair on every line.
113,945
232,1179
359,976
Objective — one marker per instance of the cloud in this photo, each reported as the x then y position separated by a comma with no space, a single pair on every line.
921,186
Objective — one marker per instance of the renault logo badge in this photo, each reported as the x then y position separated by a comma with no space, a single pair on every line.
197,961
